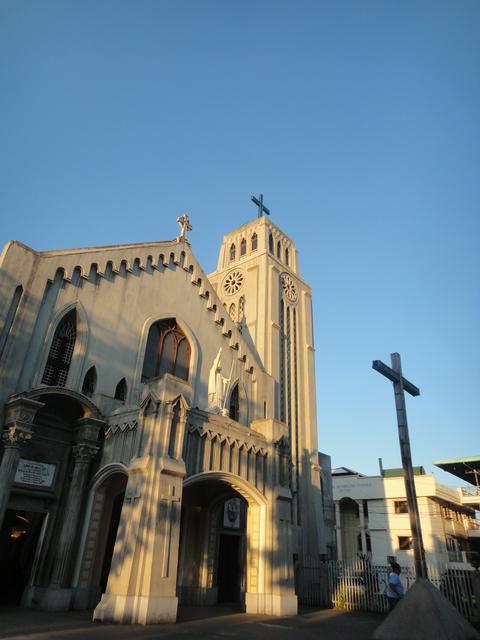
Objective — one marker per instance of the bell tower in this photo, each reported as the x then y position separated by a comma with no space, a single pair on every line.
258,281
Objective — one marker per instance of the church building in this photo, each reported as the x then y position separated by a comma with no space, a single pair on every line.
159,442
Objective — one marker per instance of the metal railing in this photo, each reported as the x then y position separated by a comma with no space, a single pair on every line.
360,585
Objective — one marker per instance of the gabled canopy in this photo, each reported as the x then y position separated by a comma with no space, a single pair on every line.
467,469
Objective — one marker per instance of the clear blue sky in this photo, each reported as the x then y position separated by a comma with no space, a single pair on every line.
358,120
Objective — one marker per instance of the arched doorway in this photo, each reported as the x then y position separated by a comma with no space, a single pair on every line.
219,558
106,502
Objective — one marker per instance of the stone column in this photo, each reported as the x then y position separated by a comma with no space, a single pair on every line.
14,438
20,413
83,454
338,530
58,595
363,536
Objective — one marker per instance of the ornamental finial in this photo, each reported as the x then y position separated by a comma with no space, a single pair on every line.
185,225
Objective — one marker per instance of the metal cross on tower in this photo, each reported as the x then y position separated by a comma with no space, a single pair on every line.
401,384
261,207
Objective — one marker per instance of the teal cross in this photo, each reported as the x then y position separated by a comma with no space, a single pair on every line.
261,207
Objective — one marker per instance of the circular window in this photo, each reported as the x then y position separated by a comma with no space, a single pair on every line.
233,281
289,288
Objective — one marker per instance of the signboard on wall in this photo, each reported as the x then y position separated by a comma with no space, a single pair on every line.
32,472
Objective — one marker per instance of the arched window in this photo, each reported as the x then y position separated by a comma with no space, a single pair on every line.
121,390
270,243
90,382
243,247
167,351
279,250
254,242
61,350
232,252
286,257
232,312
234,405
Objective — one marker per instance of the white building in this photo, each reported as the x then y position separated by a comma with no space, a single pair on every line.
159,426
372,519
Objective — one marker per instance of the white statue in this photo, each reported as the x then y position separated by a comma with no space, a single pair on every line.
185,225
217,385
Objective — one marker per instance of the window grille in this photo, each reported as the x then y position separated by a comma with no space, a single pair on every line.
168,351
61,351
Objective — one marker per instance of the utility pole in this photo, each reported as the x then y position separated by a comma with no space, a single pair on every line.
401,384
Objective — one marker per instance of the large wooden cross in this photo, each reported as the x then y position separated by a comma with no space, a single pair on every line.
401,384
261,207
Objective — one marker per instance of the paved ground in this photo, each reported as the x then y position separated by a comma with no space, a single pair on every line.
194,622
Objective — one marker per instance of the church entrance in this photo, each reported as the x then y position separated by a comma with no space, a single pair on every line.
212,563
106,508
229,574
18,542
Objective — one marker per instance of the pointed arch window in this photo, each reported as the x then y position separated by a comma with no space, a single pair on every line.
61,350
90,382
234,404
286,256
254,242
243,247
232,252
168,351
270,243
279,250
121,390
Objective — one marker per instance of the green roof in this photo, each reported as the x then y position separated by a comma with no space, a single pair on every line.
467,469
393,473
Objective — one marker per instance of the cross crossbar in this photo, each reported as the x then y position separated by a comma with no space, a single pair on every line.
392,375
261,207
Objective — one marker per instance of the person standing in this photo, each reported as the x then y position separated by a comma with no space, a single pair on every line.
395,589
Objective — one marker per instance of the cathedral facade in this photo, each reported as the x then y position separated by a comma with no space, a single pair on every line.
159,440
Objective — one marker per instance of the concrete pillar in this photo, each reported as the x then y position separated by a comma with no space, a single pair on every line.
363,536
19,415
58,596
14,438
83,454
338,530
142,582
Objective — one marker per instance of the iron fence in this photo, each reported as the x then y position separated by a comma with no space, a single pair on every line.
361,585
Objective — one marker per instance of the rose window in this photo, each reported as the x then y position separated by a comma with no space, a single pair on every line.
233,282
289,288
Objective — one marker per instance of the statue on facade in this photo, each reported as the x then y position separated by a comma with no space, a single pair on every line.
217,385
185,225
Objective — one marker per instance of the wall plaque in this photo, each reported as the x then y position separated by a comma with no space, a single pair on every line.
39,474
